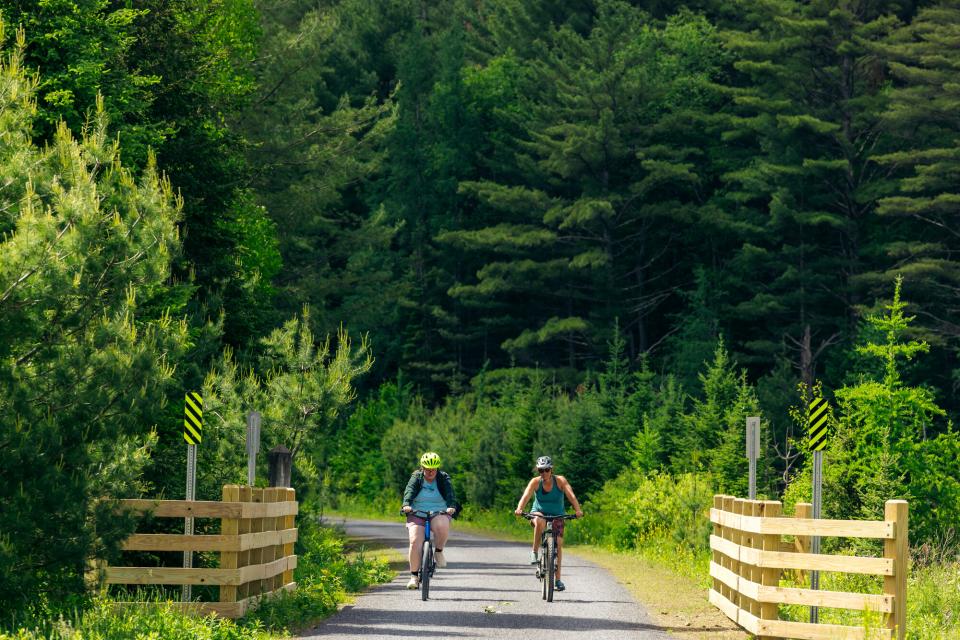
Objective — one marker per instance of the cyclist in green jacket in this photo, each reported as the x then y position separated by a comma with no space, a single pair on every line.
547,491
428,489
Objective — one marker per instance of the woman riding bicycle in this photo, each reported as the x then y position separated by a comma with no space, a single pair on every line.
547,491
429,489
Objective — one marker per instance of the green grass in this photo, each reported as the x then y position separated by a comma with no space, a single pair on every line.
326,574
933,601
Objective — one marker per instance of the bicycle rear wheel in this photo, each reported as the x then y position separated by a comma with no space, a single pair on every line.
550,558
426,566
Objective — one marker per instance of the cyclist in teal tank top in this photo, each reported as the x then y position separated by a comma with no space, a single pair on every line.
548,491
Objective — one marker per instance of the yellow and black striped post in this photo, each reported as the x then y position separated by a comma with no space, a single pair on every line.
818,421
817,425
193,418
193,434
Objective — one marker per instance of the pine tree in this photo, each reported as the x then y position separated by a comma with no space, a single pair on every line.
807,103
921,218
886,442
586,228
88,359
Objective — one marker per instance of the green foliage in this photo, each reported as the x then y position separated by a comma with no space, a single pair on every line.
807,237
611,435
604,131
887,444
88,359
324,575
934,601
105,621
921,108
300,386
357,465
82,47
633,509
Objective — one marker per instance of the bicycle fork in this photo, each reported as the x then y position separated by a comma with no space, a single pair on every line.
426,538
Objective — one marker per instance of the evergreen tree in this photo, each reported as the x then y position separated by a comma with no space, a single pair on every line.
85,253
314,154
625,397
587,228
884,445
807,103
921,218
306,386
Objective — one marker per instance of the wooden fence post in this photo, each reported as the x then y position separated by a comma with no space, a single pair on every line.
243,560
802,544
754,541
898,550
770,577
730,563
739,568
270,553
717,556
256,554
289,522
229,527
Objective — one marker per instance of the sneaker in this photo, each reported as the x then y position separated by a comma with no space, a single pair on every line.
559,586
533,557
441,561
412,584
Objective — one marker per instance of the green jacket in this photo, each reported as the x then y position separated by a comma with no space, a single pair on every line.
444,485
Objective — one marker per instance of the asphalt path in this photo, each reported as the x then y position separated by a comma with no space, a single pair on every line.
488,590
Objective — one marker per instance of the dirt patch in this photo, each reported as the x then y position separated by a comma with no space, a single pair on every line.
672,601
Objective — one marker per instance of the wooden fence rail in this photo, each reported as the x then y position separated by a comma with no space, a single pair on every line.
749,558
257,534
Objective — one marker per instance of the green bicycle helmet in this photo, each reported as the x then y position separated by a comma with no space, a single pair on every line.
430,460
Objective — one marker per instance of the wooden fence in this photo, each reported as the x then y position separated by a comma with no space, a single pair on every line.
257,533
749,557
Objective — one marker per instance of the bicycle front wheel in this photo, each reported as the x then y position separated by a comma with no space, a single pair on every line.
426,570
551,555
542,569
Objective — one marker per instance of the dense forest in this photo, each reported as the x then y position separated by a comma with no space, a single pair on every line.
601,228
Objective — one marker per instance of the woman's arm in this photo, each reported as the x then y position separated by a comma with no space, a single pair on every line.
568,491
410,492
527,494
451,497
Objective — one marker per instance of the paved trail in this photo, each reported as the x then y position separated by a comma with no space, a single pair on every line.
483,573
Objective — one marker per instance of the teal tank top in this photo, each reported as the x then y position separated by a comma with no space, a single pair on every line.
548,503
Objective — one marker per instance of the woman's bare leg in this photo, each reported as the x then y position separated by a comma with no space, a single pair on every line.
416,534
439,530
538,526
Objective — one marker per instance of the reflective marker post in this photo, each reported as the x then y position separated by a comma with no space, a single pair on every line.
192,434
817,439
253,445
188,522
815,540
753,451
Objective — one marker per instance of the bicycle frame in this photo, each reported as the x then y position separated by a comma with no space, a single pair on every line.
547,559
428,561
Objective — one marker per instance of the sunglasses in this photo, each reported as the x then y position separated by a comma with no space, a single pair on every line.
543,470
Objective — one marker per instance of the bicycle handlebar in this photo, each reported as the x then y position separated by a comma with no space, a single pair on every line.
565,516
423,514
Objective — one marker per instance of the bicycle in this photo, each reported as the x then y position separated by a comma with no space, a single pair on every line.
428,559
547,558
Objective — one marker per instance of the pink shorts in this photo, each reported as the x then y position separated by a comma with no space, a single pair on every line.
422,521
557,525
